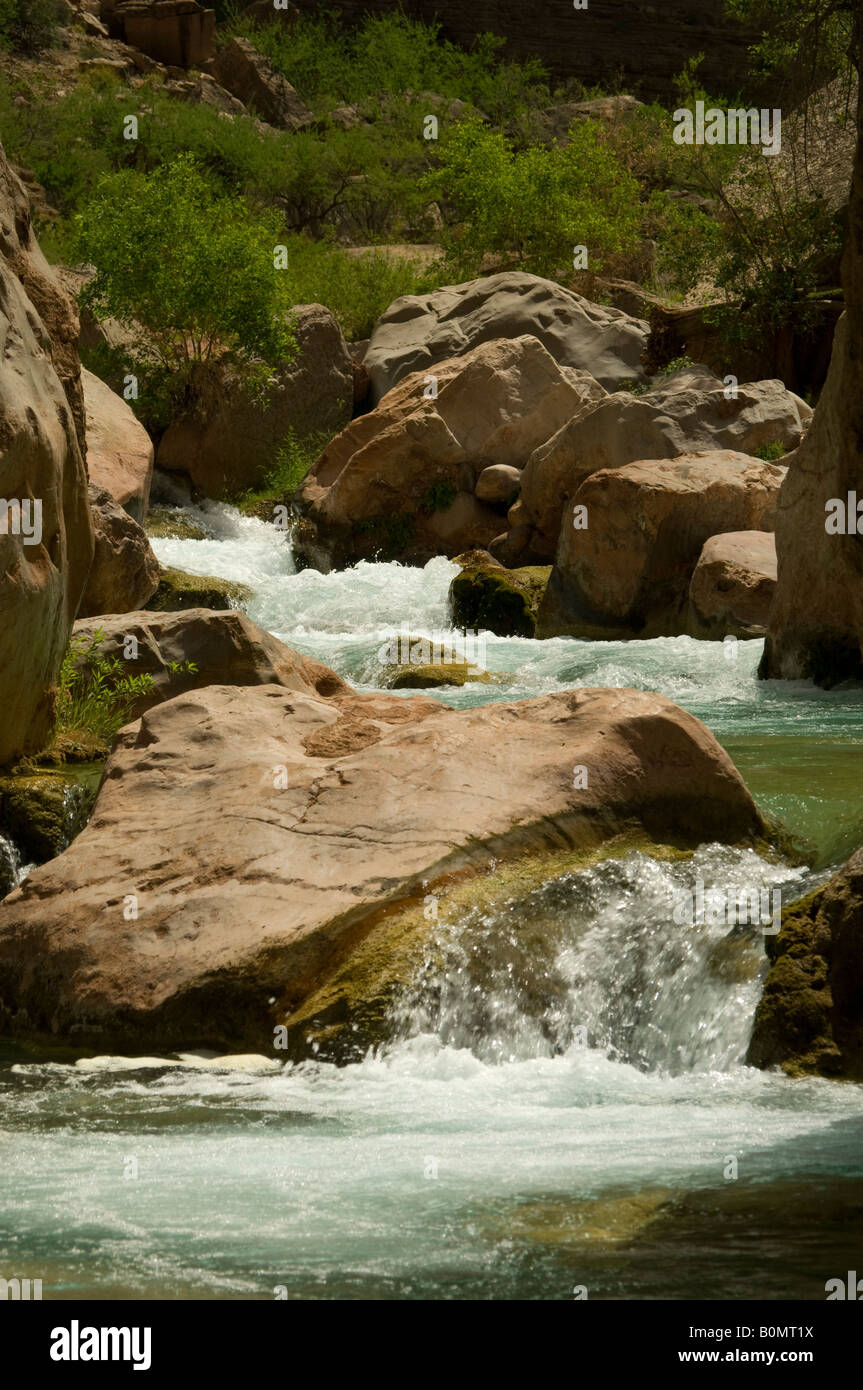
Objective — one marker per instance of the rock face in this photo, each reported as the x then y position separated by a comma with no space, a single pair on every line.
418,331
125,571
245,841
178,33
227,440
627,572
119,450
226,648
46,544
810,1018
400,481
733,584
249,76
663,424
816,623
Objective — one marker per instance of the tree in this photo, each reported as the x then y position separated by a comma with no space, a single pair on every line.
188,263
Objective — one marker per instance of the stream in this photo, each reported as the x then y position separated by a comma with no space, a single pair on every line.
612,1141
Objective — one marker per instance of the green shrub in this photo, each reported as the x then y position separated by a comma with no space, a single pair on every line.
28,25
357,289
770,452
294,457
331,65
94,696
188,263
531,208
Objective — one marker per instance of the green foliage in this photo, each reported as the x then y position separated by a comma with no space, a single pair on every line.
331,65
357,289
28,26
812,34
293,459
532,207
770,452
188,263
95,696
438,497
677,364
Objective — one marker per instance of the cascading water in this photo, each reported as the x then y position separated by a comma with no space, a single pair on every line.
567,1078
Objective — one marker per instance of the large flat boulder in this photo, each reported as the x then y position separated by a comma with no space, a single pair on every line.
418,331
227,439
245,842
663,424
628,551
198,647
816,622
810,1016
119,449
732,585
46,544
402,481
125,571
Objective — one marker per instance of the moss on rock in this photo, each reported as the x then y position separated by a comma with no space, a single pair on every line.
487,597
173,524
42,812
429,677
178,590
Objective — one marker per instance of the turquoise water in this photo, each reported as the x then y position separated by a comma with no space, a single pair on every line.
496,1150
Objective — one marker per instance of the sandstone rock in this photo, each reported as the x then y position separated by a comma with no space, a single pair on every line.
816,622
43,559
202,90
810,1017
264,835
125,572
249,76
226,648
227,440
119,450
500,482
178,591
400,480
732,585
666,423
418,331
486,597
178,33
628,573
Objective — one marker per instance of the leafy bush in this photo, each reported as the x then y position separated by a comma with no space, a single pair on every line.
530,208
357,289
293,460
330,65
94,695
28,25
188,263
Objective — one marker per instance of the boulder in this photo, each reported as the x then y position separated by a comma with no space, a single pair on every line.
732,585
224,647
486,597
46,545
125,572
810,1016
418,331
247,841
119,450
663,424
499,483
252,79
625,569
178,591
816,622
227,440
399,482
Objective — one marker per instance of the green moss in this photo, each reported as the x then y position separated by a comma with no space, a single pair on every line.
42,812
492,599
165,522
429,677
178,590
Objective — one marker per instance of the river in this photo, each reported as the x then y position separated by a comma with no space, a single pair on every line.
616,1144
